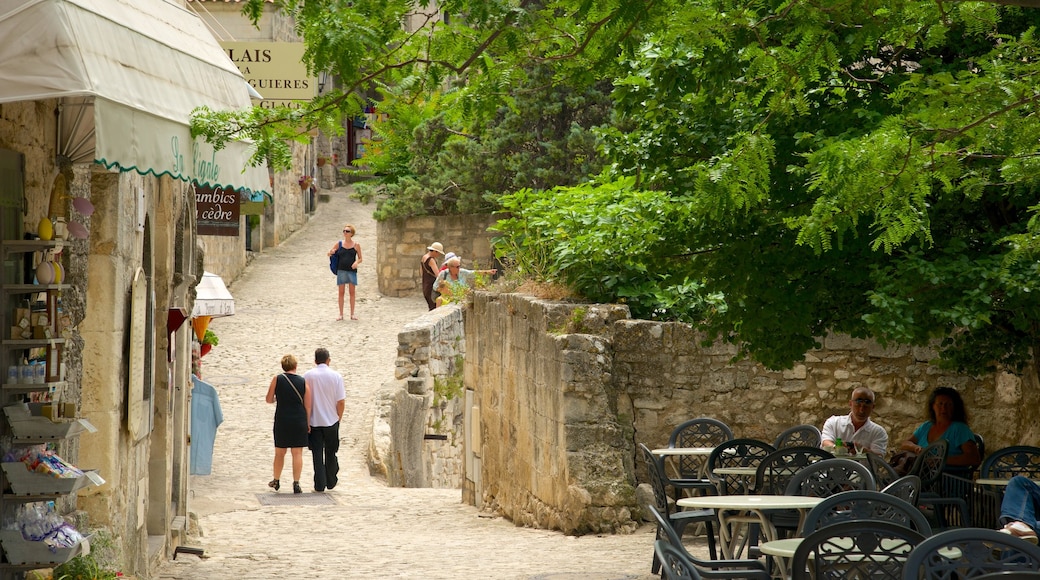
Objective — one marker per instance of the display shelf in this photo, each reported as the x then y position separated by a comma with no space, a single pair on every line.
33,288
26,246
26,427
22,552
30,342
29,483
31,387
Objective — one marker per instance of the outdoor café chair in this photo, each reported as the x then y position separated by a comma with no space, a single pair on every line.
676,565
906,488
865,505
1011,461
969,553
884,473
854,550
823,478
744,569
678,519
700,432
799,436
776,469
736,453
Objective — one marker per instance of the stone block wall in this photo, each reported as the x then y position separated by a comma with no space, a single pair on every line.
401,242
554,453
417,433
562,393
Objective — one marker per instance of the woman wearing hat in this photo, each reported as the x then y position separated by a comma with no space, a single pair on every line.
428,265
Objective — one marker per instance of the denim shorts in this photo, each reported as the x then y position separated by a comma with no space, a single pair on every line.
346,277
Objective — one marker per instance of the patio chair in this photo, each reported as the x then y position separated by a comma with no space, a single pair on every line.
906,488
700,432
736,453
1011,461
969,553
884,473
745,569
776,469
678,519
676,565
799,436
855,549
821,479
865,505
1012,575
934,497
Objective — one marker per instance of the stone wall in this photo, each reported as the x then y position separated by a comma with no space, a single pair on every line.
562,393
417,431
401,242
554,451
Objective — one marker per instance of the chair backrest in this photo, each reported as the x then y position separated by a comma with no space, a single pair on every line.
1020,575
981,444
929,465
884,473
970,552
1011,461
865,505
906,488
799,436
776,469
830,476
676,566
700,432
658,480
736,453
855,549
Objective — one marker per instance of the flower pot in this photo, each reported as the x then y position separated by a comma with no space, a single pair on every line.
204,349
321,161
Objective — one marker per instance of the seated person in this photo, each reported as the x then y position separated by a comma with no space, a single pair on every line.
454,279
1018,509
948,420
856,430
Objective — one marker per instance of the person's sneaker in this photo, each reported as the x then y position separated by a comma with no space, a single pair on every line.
1020,531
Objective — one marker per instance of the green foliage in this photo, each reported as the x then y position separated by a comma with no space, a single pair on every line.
770,171
97,565
210,338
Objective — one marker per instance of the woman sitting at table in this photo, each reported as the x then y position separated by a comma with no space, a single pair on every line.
948,420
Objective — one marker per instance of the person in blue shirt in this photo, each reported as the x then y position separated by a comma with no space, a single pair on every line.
948,419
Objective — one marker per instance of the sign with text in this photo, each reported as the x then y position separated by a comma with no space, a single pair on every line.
217,211
275,70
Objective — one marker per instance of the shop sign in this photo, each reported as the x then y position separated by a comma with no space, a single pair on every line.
275,70
217,211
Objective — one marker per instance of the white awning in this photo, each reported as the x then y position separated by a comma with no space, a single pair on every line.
212,297
128,74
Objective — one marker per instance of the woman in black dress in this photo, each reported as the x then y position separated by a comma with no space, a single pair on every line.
291,412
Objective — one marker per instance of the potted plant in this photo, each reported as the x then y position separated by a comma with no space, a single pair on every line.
209,340
305,182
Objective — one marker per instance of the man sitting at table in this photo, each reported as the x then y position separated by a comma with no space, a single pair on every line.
856,430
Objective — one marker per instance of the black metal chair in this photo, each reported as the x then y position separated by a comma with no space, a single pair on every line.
969,553
679,519
799,436
745,569
736,453
865,505
830,476
945,504
884,473
854,550
906,488
700,432
1011,461
776,469
676,565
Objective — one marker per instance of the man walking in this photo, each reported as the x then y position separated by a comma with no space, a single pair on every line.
327,401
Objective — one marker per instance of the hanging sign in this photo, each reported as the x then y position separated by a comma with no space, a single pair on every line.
217,211
275,70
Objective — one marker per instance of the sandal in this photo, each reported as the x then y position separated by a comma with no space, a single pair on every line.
296,487
274,484
1020,530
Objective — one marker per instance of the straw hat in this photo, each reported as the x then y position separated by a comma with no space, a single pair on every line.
436,247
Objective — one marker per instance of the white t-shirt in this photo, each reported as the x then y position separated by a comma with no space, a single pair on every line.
326,387
870,436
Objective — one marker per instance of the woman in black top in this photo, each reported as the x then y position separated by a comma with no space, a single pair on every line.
349,253
291,415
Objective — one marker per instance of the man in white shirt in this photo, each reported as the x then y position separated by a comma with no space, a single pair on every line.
327,403
856,430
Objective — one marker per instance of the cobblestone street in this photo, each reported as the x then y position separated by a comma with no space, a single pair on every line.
285,302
